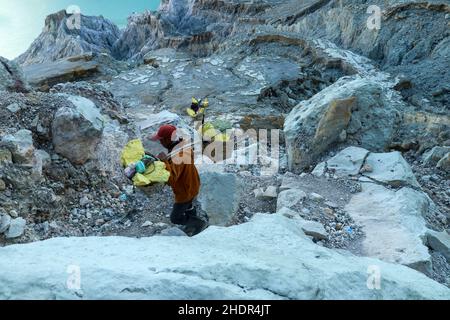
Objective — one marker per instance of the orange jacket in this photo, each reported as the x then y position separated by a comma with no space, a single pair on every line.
184,178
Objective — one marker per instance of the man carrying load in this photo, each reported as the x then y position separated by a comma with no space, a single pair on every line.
184,179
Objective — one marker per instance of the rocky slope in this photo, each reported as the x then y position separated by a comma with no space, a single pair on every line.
364,137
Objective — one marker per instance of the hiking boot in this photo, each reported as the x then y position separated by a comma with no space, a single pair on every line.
194,226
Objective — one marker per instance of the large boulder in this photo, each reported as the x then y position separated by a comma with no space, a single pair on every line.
393,223
20,145
267,258
358,109
219,197
77,131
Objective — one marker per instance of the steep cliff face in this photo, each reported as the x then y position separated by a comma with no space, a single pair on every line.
64,36
197,26
412,39
143,33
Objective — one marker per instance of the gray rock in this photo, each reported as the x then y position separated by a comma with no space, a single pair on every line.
219,196
16,228
314,229
314,125
44,158
48,74
306,211
46,196
11,77
13,214
289,266
288,213
331,204
173,232
84,201
258,193
5,222
348,162
53,225
310,228
13,108
290,198
147,224
316,197
391,168
2,185
77,131
289,181
393,224
444,163
434,155
320,170
5,156
439,241
20,145
269,193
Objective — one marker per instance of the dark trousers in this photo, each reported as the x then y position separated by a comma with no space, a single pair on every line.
182,213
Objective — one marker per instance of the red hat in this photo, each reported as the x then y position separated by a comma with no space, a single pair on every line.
166,131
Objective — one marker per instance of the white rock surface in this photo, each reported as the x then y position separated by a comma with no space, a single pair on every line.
289,198
391,168
247,262
393,224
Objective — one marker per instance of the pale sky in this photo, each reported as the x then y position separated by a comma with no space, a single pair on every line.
21,21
